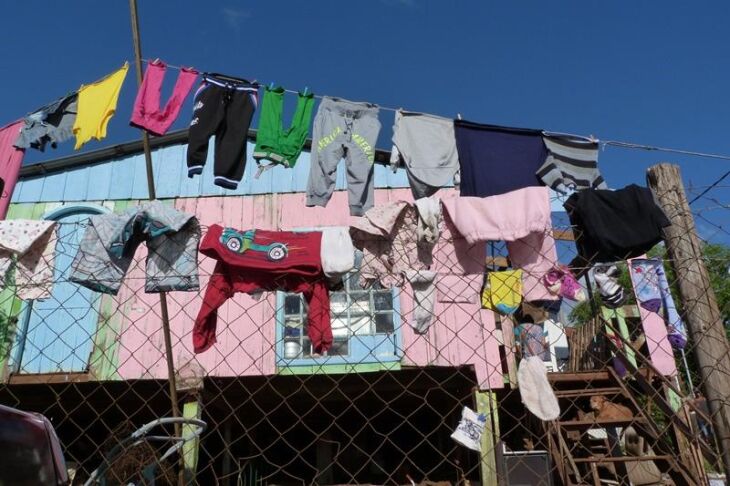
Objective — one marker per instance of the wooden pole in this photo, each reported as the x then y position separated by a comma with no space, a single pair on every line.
699,304
153,195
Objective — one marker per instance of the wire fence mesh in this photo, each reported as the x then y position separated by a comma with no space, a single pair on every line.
380,405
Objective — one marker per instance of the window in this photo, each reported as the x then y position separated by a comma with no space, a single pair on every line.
364,324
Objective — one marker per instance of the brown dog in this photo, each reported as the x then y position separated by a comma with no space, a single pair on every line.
604,409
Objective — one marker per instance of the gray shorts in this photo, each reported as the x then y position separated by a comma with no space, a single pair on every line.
425,144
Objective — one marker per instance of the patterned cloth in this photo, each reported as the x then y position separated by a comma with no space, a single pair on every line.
108,246
33,244
387,236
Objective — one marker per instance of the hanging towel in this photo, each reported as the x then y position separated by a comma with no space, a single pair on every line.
535,390
147,113
423,284
33,243
571,164
652,291
96,106
11,158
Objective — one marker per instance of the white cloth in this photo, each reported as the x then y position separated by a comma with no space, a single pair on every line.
470,429
535,390
337,251
33,243
429,216
423,284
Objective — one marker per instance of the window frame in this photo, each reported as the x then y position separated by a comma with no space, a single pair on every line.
359,345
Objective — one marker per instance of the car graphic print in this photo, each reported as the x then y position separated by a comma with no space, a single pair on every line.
240,243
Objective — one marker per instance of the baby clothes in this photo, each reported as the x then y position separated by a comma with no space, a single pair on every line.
53,123
429,217
96,105
496,160
254,260
503,291
425,144
535,390
571,164
424,291
147,113
533,341
33,243
561,281
11,158
387,236
614,225
653,293
110,240
224,108
338,252
612,294
535,254
343,129
272,141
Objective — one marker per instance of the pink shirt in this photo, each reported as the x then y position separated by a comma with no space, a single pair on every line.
11,158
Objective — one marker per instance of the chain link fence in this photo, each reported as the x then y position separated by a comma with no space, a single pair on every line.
380,407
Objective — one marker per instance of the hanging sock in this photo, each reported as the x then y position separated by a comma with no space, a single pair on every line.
147,113
97,104
606,277
652,291
503,291
423,284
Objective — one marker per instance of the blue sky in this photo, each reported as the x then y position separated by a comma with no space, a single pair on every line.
645,72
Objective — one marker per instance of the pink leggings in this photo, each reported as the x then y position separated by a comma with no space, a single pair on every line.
147,113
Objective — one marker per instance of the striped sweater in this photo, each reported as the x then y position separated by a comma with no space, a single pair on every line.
571,164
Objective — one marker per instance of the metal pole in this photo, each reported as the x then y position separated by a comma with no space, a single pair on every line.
153,195
699,304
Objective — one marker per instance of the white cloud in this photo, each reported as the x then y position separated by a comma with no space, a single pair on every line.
234,17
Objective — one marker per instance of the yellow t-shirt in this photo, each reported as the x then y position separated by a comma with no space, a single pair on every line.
97,104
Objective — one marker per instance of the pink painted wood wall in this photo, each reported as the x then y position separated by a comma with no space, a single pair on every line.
462,333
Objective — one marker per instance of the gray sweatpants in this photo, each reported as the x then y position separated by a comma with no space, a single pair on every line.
343,129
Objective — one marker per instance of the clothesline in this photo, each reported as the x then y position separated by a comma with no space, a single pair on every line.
603,143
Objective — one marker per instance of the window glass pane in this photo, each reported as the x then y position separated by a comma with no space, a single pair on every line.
339,348
292,348
360,303
339,326
306,347
338,302
292,304
384,323
293,328
383,300
361,325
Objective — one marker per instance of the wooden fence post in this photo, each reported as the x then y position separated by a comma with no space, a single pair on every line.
699,305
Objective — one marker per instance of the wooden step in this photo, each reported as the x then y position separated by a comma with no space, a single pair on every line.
590,424
586,392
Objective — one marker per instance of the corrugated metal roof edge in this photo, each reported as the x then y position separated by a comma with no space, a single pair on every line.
131,148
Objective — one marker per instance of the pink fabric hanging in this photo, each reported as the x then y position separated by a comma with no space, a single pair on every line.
146,113
11,158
